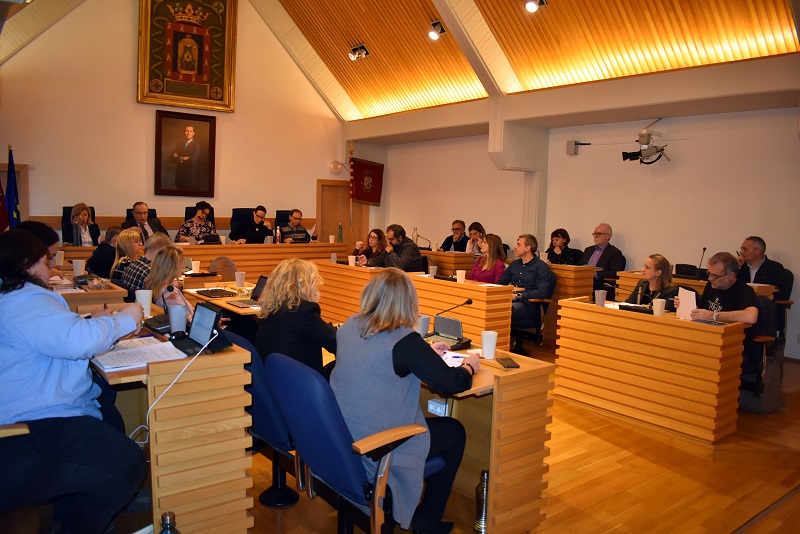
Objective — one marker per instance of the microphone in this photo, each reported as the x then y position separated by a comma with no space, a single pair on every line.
700,265
465,303
641,294
426,239
612,286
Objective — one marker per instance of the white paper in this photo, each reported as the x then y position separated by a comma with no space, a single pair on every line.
133,353
453,359
688,303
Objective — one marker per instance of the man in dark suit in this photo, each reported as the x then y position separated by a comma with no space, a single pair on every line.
605,256
148,226
186,156
756,268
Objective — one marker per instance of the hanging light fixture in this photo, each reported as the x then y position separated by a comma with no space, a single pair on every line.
534,5
438,29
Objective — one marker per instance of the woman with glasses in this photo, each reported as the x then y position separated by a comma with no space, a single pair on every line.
475,236
656,283
376,243
198,226
492,264
559,251
458,241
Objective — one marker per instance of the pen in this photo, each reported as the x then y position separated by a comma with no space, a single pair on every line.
105,305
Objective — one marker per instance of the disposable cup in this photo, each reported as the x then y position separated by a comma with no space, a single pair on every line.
600,297
270,240
145,298
435,246
177,318
332,239
488,344
432,270
78,267
461,275
351,261
424,325
240,278
334,259
658,307
223,239
59,258
195,266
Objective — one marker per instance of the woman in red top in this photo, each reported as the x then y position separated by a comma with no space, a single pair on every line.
490,266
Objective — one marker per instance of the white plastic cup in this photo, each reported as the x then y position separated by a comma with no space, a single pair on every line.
78,267
432,270
435,246
145,298
177,318
59,258
192,240
461,276
270,239
223,240
240,278
600,297
332,239
351,261
334,259
424,325
488,344
195,266
658,307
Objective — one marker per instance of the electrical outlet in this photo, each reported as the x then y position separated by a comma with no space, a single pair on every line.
437,407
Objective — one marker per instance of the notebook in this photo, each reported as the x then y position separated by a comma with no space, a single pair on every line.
253,300
204,324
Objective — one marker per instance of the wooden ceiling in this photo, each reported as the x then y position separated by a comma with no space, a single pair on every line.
566,42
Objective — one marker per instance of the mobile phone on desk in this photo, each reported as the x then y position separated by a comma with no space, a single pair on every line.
508,363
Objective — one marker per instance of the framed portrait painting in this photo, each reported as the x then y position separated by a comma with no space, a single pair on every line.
185,148
187,53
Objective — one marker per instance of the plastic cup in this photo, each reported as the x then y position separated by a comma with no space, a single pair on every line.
424,325
145,298
432,270
78,267
270,239
435,246
59,258
658,307
195,266
177,318
332,238
240,278
600,297
223,239
461,276
488,344
351,261
334,259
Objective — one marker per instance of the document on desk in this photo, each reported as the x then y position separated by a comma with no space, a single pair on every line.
137,352
453,359
688,303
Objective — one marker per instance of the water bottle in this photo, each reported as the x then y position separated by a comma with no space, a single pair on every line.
481,503
277,234
168,523
340,234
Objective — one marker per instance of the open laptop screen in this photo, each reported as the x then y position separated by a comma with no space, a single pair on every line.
260,285
202,324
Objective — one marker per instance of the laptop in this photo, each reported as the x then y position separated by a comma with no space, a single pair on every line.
204,324
216,293
253,300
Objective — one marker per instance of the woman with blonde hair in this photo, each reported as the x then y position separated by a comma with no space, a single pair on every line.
163,280
491,266
129,248
84,231
290,315
656,283
381,362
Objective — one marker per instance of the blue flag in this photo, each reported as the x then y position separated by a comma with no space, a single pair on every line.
12,193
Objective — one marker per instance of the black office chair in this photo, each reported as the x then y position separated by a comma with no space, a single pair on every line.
151,214
533,326
191,211
66,222
785,285
423,264
760,384
241,215
325,445
282,217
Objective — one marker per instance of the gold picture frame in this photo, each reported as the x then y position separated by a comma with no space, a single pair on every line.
187,53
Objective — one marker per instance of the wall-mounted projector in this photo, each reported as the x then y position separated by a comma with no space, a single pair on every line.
648,152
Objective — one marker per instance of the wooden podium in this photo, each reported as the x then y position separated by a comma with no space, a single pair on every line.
447,263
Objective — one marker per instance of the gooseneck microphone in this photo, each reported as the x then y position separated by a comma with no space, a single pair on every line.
700,265
465,303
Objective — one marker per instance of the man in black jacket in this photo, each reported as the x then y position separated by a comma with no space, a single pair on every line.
756,268
148,226
103,256
605,256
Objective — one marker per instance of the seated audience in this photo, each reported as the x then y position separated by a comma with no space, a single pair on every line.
72,457
756,268
531,278
381,362
137,271
376,244
458,241
294,232
144,225
476,233
400,252
198,226
129,248
559,252
104,255
163,280
656,283
46,235
605,256
84,231
491,266
290,316
252,232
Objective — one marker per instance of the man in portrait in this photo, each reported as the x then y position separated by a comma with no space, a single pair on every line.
186,157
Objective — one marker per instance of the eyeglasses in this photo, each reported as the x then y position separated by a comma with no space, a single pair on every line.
372,237
598,234
454,230
295,218
712,276
260,216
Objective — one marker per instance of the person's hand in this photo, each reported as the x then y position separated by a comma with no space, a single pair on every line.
288,240
677,302
66,244
362,260
556,249
389,248
474,360
136,312
171,298
267,224
240,241
739,258
359,245
100,312
440,347
706,315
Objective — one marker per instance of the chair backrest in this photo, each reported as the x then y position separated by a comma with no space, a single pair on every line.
151,214
318,430
66,222
282,217
767,322
191,211
785,284
224,267
240,215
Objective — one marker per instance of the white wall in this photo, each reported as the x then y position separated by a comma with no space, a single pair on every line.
68,106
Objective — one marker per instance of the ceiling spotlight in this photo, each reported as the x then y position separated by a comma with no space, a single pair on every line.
438,29
534,5
358,52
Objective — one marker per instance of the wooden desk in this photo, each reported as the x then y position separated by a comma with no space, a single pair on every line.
341,289
198,440
94,297
223,302
628,280
669,376
506,435
447,263
571,281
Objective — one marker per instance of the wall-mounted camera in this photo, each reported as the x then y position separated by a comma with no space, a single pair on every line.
648,152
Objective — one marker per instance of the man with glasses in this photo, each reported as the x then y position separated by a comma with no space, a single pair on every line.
147,226
294,232
252,232
400,252
605,256
458,241
726,298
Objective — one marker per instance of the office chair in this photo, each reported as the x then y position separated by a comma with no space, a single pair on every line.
240,215
531,326
760,384
270,429
282,217
191,211
151,214
325,445
66,223
785,284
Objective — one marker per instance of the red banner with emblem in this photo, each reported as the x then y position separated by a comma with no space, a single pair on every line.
366,181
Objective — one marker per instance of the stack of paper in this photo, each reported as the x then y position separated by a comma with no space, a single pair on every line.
137,352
